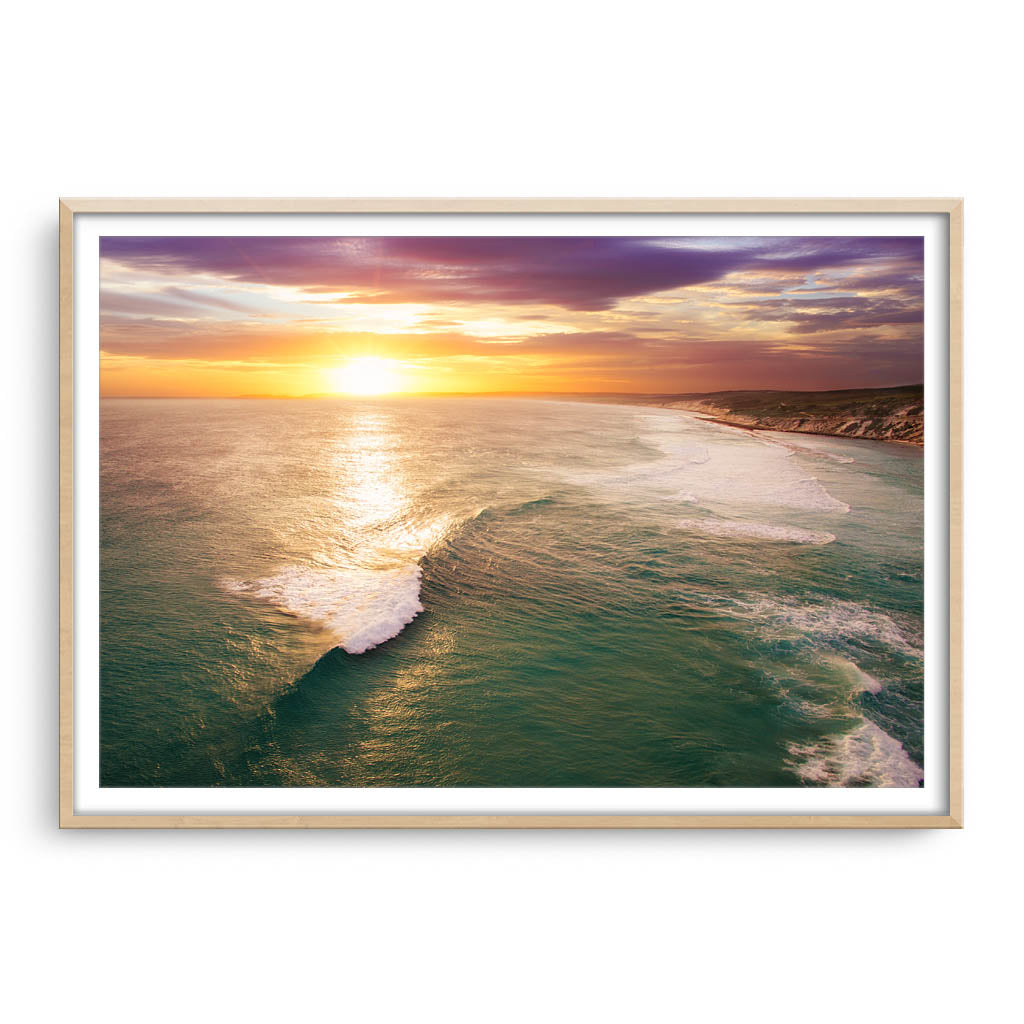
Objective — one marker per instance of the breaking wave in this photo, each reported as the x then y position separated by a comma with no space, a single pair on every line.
359,608
834,622
864,756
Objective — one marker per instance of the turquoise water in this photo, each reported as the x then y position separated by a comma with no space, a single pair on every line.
502,592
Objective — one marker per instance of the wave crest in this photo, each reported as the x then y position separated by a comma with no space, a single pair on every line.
864,756
360,608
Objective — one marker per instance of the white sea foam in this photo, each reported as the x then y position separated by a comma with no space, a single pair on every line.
864,756
792,448
716,466
789,450
756,531
835,621
359,608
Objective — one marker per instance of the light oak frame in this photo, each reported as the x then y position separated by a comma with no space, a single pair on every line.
952,208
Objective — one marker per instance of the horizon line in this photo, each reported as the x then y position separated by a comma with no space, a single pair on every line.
520,394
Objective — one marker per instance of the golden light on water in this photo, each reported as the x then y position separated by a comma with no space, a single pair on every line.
365,375
370,484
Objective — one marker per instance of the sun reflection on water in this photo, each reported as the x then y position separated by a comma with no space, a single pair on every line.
370,483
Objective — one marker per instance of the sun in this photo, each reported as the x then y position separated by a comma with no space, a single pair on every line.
365,375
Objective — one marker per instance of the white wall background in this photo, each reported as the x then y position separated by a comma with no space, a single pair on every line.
518,99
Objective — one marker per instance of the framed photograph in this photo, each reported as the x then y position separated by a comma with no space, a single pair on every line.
510,513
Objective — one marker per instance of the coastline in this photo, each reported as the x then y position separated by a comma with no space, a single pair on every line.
879,414
773,428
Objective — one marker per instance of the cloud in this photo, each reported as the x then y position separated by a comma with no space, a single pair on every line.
655,314
575,273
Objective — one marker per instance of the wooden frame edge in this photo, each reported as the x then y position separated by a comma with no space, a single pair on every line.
513,821
69,207
370,204
66,436
956,509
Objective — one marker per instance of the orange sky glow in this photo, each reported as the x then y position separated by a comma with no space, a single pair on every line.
235,316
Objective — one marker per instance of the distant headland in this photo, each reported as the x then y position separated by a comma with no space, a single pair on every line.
880,414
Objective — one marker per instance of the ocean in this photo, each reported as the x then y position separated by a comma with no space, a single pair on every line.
502,592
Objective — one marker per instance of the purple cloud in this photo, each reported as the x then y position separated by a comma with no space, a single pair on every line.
577,273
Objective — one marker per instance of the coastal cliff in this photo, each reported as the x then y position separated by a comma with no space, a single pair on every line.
880,414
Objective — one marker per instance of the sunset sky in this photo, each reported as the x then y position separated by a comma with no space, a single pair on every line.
298,316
